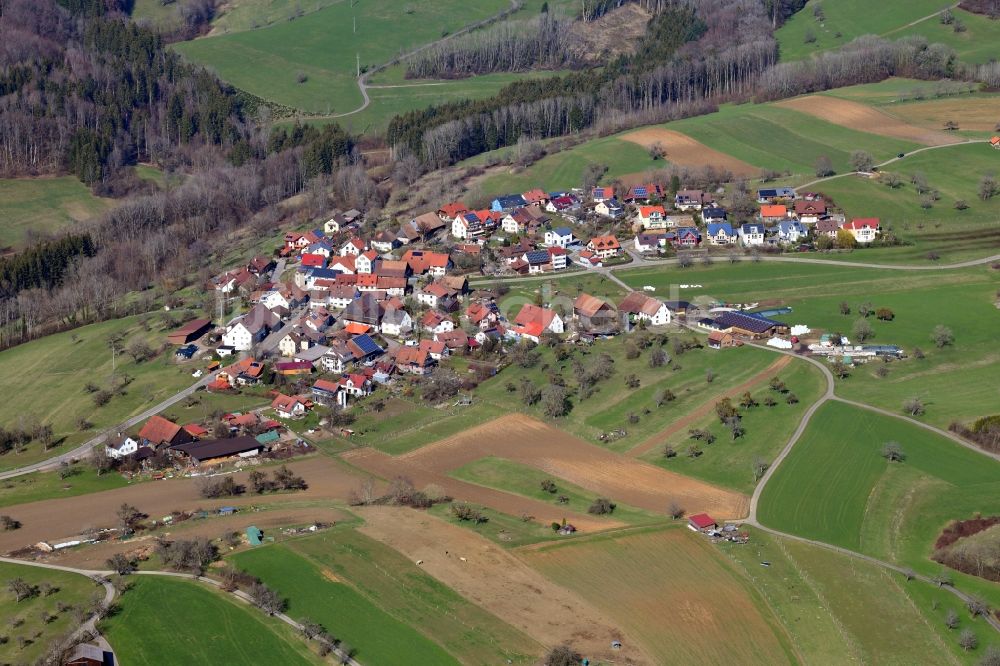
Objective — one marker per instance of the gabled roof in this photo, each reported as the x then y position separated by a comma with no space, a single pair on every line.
649,211
159,430
637,302
563,231
586,305
600,192
748,321
713,213
532,313
815,207
714,228
752,228
536,257
608,242
776,210
702,521
510,201
862,223
452,210
285,403
535,195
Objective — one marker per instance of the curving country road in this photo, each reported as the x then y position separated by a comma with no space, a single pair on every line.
84,449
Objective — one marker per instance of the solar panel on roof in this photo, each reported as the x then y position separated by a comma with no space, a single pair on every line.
640,191
367,345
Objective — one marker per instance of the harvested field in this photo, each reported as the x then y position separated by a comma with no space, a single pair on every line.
863,118
685,151
707,407
668,586
58,518
977,113
530,442
500,582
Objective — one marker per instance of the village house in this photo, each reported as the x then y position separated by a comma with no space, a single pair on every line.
414,360
601,194
507,203
713,214
751,234
827,227
450,211
610,208
864,229
684,237
536,197
334,224
721,340
651,217
121,446
810,212
435,321
643,193
691,200
640,307
384,241
483,314
250,328
650,241
773,213
288,406
771,195
339,296
364,263
721,233
354,246
293,342
560,237
366,310
396,322
563,203
431,294
533,321
524,221
791,231
245,372
435,264
605,247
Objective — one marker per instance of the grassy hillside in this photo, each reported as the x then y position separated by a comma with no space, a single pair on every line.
322,46
21,619
840,609
976,44
53,373
846,19
178,622
43,205
837,488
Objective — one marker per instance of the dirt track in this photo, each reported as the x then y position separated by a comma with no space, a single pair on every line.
863,118
685,151
498,581
60,518
530,442
706,408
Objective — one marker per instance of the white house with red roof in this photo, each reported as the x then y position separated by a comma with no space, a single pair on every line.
605,246
864,229
354,246
652,217
533,321
288,406
700,522
365,262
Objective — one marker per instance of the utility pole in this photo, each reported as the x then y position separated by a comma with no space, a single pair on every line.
355,25
359,65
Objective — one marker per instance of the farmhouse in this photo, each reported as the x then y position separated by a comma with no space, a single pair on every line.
640,307
721,340
158,431
532,321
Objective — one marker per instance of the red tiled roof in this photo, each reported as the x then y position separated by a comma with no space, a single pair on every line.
159,430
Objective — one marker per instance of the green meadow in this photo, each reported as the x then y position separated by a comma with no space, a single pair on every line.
783,140
351,585
839,609
54,372
178,622
729,462
38,206
524,480
836,487
324,47
21,618
844,20
976,44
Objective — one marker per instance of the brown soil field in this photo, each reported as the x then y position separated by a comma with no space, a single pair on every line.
863,118
977,113
500,582
94,557
60,518
673,592
530,442
707,408
685,151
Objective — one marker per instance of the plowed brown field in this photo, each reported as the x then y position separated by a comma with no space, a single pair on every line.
59,518
864,118
685,151
674,593
530,442
493,578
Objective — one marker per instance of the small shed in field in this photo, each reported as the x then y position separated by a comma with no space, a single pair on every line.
701,521
255,536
